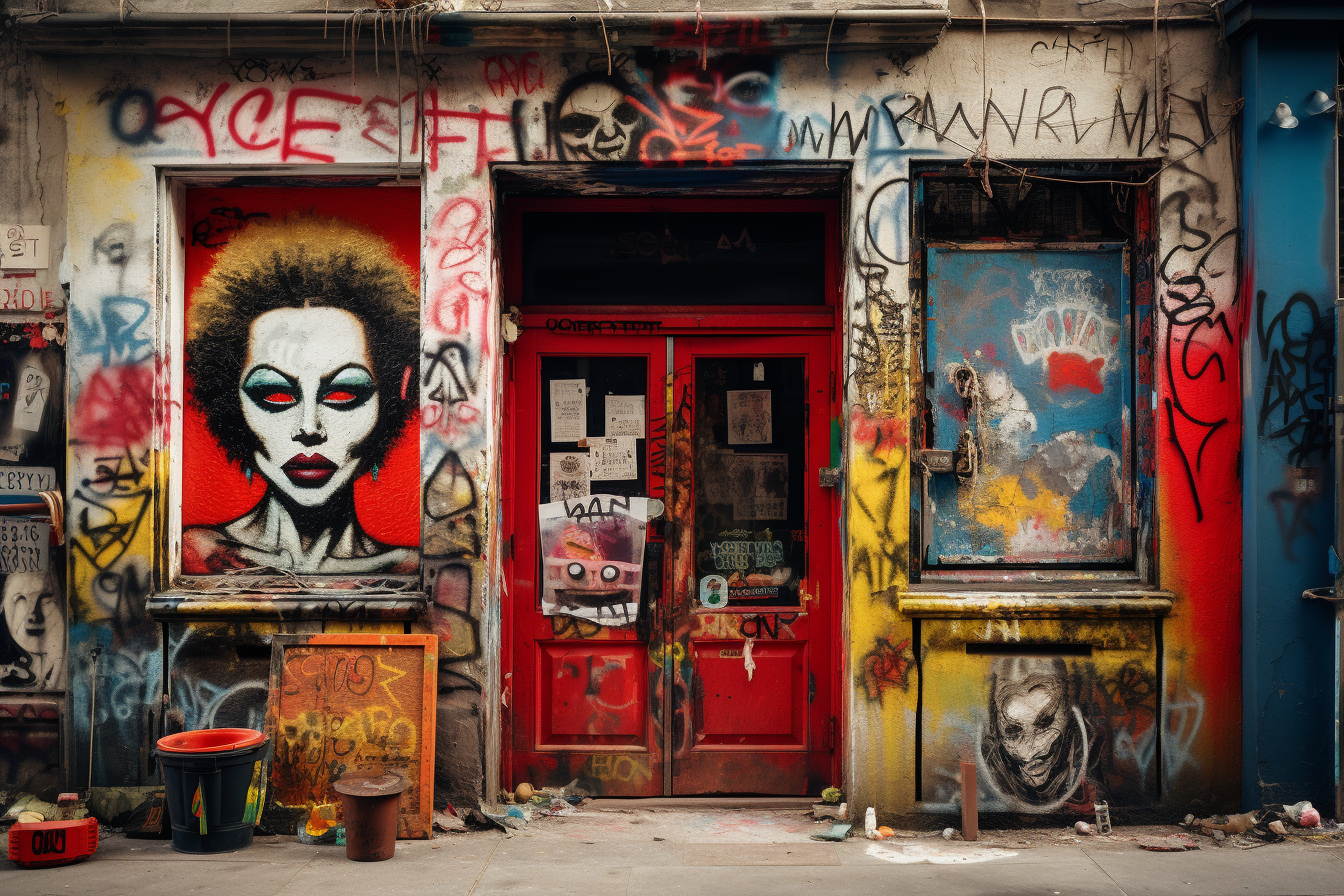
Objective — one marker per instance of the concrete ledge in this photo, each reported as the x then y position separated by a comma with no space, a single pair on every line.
1034,604
346,606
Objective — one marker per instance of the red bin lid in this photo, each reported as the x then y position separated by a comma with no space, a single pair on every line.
211,740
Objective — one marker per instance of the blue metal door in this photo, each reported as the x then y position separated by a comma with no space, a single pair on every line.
1029,381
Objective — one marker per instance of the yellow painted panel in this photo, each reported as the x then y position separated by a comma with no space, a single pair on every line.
1056,714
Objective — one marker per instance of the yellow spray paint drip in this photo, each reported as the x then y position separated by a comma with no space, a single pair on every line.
198,807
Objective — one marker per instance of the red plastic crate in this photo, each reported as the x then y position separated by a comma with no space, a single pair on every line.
42,844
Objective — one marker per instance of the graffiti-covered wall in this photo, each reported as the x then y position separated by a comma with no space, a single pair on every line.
139,129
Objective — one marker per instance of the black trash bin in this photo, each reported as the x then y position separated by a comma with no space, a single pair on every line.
215,782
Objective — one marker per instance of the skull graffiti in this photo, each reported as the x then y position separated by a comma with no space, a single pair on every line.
596,122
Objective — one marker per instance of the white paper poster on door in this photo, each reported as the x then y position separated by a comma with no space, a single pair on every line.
625,416
592,555
569,475
569,410
760,484
749,419
613,459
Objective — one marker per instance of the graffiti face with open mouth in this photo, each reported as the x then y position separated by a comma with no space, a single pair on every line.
602,585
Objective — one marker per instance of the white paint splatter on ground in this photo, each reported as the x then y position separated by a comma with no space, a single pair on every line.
913,854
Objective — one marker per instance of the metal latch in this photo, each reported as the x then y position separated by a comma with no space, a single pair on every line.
829,477
936,461
964,461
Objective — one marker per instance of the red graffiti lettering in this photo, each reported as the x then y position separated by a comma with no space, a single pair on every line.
183,109
682,133
744,34
379,123
258,118
23,298
437,118
294,124
458,239
519,75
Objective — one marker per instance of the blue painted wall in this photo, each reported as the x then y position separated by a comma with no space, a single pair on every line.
1288,209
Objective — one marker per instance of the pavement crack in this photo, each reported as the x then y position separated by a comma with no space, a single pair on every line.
488,859
1114,882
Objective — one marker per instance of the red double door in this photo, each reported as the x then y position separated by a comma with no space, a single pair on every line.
697,652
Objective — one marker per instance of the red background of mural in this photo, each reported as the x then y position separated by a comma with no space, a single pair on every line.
215,491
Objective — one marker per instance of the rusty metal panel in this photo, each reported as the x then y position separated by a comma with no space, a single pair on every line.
1030,386
352,704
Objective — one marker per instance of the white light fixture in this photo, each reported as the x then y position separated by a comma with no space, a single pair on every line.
1320,102
1283,116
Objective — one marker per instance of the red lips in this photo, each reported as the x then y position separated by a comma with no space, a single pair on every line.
309,470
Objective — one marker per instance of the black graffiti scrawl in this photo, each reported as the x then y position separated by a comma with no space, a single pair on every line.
1296,346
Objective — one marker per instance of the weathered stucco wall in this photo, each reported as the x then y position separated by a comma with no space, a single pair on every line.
1054,94
33,621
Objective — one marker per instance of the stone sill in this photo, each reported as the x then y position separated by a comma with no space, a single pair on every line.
981,603
345,606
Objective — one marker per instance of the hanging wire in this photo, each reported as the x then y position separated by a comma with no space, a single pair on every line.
829,28
603,22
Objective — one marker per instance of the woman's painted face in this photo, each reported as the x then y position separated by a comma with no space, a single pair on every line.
34,612
309,396
1032,722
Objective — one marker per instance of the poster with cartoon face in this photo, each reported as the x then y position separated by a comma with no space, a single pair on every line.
592,555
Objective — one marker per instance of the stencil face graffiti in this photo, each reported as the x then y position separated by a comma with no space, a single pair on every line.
595,121
32,636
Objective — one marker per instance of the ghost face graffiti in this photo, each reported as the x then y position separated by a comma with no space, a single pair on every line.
1032,722
1035,746
597,123
311,402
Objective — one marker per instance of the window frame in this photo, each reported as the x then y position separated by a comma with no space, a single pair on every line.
1140,248
281,594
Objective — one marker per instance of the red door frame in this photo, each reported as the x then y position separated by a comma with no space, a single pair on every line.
668,321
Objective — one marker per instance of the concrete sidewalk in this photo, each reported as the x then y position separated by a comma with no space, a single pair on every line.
645,852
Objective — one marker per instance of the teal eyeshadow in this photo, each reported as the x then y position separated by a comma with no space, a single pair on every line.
352,377
266,377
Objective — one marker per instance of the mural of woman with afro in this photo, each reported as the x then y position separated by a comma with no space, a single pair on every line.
300,347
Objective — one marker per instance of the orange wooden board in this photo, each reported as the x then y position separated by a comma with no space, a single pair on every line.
353,704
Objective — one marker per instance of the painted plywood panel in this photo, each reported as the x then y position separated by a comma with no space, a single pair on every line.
301,340
1055,714
344,705
1029,352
